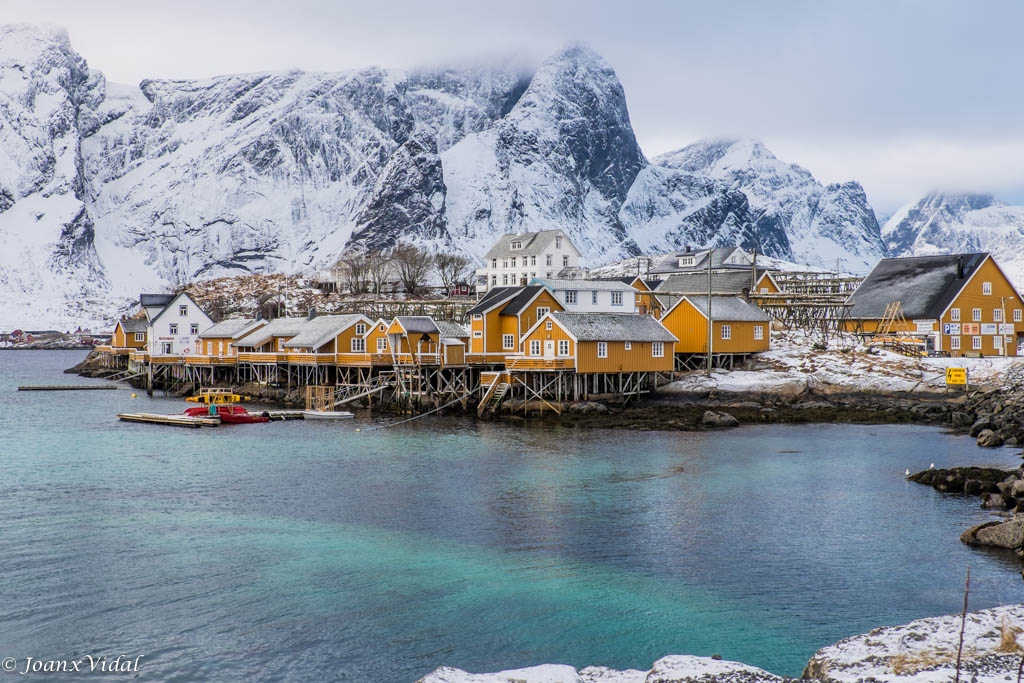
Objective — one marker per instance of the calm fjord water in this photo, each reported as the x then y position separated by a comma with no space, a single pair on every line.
303,551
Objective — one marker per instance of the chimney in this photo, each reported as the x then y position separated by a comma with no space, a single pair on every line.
312,314
960,267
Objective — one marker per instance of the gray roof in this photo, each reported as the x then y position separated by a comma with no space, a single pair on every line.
150,300
727,282
924,285
584,285
321,329
278,327
227,329
728,309
451,330
669,263
519,302
533,243
494,296
613,327
134,325
419,324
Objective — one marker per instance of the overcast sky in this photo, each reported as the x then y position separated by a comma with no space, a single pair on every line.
902,96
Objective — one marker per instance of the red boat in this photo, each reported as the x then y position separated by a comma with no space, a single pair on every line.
229,414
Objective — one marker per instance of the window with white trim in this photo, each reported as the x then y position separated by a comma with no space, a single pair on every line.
533,260
764,290
141,336
627,346
494,263
508,341
517,245
602,349
360,329
504,279
563,347
976,343
543,311
183,310
616,298
1016,315
758,332
726,331
193,329
954,343
997,342
547,325
382,344
986,287
954,315
358,345
997,315
565,260
685,261
570,296
976,315
548,262
558,242
172,328
593,297
534,347
494,281
658,350
513,261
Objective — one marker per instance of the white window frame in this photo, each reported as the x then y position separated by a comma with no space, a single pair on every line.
570,297
657,349
140,336
954,315
565,260
758,332
726,331
602,349
517,245
976,315
172,329
358,345
986,288
627,346
764,290
685,261
976,342
543,311
997,315
547,325
616,298
1017,315
533,260
563,347
548,260
382,344
954,343
534,347
193,329
494,263
508,341
183,310
504,279
513,260
494,281
558,242
997,342
360,329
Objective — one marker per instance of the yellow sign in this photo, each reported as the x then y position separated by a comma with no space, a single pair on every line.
956,375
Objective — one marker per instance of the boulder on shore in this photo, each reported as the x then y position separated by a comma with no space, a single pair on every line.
989,439
716,418
1009,534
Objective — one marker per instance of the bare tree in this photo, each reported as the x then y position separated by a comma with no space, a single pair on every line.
413,264
378,264
356,267
452,268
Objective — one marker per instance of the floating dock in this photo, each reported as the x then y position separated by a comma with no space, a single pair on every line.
278,415
69,387
175,420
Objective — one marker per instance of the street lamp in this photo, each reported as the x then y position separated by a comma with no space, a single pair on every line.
1002,307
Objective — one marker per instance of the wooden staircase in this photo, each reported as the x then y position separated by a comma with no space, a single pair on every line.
494,395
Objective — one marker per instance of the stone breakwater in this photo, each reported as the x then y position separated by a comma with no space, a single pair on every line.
923,651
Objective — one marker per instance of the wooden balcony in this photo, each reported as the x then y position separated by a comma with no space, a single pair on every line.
210,360
262,358
539,363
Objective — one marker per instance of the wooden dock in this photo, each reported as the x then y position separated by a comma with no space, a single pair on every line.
175,420
69,387
278,415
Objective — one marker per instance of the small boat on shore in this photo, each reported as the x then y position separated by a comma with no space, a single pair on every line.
229,414
326,414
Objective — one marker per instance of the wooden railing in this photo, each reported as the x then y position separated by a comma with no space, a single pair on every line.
261,357
538,363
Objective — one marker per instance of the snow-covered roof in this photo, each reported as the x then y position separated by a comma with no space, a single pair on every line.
924,285
278,327
726,308
321,329
601,285
613,327
722,282
451,330
419,324
227,329
533,243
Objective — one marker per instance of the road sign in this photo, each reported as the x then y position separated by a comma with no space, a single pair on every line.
956,376
950,328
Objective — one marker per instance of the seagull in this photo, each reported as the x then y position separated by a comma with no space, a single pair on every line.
932,466
906,473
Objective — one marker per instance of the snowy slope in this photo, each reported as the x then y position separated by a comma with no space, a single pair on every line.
941,223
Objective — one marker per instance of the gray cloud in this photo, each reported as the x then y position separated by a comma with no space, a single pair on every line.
902,96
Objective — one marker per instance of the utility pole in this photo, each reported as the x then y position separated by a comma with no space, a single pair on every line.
707,370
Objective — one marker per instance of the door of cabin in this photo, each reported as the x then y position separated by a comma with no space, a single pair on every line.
166,348
549,348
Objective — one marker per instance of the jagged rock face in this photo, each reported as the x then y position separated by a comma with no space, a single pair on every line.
565,155
106,190
940,223
794,217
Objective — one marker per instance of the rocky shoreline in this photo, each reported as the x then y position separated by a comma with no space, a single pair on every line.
923,651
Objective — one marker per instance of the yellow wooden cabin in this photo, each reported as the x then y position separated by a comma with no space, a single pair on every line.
956,305
595,343
737,327
129,334
420,340
499,320
330,339
217,343
377,343
266,343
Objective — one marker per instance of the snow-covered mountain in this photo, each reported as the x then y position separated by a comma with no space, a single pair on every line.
944,223
107,190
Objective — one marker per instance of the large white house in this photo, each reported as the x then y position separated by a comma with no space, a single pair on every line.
515,259
174,328
591,296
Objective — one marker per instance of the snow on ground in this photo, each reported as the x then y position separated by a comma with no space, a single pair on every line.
847,365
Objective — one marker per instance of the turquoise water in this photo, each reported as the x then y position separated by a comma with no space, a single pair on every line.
310,551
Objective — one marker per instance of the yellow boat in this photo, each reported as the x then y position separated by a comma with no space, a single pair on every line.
217,397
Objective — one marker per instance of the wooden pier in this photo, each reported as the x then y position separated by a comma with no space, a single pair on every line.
174,420
69,387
